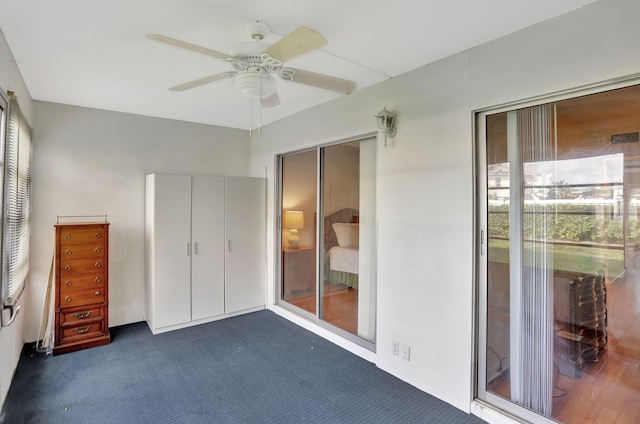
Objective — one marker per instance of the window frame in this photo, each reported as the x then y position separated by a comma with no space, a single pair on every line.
15,214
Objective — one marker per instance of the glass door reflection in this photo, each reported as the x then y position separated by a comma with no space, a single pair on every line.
348,208
561,311
299,199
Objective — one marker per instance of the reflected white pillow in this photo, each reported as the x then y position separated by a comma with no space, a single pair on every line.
347,234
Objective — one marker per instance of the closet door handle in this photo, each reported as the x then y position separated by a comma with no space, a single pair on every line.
195,248
229,245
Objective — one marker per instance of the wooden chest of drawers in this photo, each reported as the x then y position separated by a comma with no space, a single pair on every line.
82,286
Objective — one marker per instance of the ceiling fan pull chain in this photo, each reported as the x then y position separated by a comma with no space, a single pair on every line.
250,117
260,104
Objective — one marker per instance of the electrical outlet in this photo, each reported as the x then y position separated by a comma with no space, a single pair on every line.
395,347
405,352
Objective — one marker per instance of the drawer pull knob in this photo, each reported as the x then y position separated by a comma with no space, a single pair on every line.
68,298
68,282
97,250
98,235
85,314
67,236
98,265
68,267
68,252
82,330
98,279
97,293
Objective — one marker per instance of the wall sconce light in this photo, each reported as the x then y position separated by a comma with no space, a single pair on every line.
386,124
294,221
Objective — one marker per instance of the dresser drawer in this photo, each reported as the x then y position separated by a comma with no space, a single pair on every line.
82,282
82,331
77,251
72,267
81,297
81,235
80,315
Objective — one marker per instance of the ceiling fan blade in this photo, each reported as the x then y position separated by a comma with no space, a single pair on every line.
301,41
270,101
189,46
202,81
325,82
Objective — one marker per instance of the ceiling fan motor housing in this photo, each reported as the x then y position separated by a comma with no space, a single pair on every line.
255,83
257,30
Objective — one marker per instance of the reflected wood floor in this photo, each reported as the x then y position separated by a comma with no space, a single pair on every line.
340,306
607,391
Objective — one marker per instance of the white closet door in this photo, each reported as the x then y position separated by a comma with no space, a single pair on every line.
171,262
207,236
245,250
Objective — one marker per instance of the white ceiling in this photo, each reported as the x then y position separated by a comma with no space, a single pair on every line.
95,54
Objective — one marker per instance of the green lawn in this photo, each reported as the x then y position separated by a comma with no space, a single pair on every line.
590,260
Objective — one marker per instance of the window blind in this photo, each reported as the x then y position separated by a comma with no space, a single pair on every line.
17,204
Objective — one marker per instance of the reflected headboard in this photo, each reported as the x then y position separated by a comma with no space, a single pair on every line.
346,215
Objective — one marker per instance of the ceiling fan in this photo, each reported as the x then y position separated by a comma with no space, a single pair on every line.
256,64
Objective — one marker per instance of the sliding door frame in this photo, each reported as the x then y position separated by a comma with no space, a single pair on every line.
481,395
278,256
315,318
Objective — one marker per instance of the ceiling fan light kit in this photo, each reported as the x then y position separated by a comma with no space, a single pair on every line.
256,64
255,83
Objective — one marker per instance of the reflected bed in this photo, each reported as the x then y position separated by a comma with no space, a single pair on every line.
341,236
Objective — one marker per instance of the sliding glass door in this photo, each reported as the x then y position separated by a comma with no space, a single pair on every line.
299,200
328,198
559,259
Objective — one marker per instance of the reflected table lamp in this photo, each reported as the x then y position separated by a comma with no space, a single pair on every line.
293,221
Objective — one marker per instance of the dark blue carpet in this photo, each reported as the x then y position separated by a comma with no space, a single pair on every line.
255,368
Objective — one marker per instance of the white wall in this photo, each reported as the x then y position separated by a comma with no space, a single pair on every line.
89,162
11,338
426,176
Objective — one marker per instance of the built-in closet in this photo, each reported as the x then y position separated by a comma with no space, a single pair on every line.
205,248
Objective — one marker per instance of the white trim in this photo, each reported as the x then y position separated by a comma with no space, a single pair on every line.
570,93
334,338
203,321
